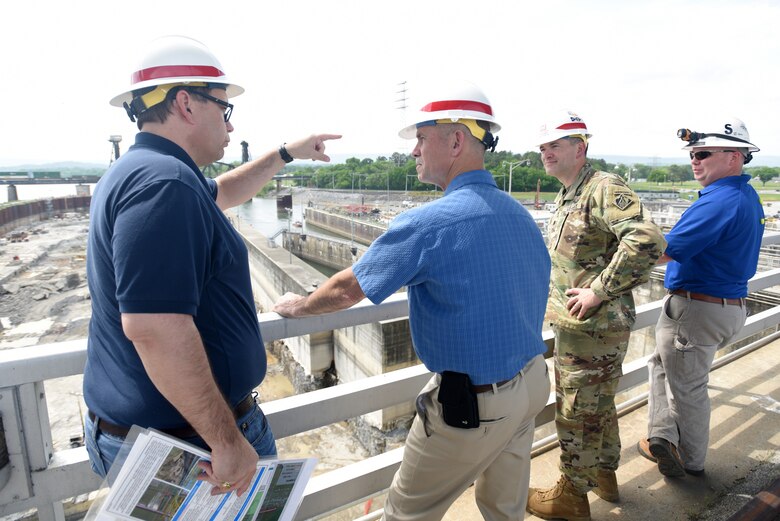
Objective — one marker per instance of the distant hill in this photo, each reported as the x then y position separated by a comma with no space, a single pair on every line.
60,165
65,168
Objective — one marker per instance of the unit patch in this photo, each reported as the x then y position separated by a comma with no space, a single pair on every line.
623,201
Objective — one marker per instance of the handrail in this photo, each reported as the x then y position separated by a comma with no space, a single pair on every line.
30,364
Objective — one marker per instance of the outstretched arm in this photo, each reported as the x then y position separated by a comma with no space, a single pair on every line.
242,183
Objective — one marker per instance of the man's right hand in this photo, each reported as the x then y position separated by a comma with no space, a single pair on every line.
234,465
290,305
582,300
339,292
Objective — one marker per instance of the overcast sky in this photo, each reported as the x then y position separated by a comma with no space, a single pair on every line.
635,71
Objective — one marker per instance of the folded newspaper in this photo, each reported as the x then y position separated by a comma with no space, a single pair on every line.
154,479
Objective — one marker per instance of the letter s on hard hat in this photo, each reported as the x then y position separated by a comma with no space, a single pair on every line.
564,124
731,133
168,62
456,102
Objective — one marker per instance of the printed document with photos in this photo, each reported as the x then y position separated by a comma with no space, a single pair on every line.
154,479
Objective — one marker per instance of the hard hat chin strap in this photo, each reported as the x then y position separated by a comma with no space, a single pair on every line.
146,99
489,141
134,108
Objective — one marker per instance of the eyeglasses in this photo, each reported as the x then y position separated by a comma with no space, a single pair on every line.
704,154
222,103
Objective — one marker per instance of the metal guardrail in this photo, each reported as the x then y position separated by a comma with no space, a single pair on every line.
41,478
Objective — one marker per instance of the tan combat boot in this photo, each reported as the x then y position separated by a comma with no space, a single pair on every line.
559,502
607,488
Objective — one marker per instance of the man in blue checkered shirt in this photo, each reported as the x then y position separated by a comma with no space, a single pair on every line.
477,273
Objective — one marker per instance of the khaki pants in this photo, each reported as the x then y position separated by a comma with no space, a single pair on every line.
440,462
687,335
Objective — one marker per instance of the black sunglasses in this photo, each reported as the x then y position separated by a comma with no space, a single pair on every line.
704,154
228,106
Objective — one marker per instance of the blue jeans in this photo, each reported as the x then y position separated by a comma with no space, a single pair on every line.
103,447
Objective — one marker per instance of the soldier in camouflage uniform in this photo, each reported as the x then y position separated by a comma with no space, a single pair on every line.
602,243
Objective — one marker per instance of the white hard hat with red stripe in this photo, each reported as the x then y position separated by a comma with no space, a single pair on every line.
456,102
168,62
564,124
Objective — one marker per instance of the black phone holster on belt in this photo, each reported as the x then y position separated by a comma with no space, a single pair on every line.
458,401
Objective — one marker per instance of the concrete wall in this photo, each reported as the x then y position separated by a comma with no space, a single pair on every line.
361,232
275,272
333,254
21,214
372,349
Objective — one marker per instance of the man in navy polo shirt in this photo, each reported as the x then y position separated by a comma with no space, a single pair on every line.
174,342
712,251
477,273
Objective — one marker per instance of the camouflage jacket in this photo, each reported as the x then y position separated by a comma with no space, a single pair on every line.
603,238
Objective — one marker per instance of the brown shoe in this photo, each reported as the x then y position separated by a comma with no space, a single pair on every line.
559,502
669,462
607,488
644,449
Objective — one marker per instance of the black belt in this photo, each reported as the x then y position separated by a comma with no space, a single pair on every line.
243,407
483,388
708,298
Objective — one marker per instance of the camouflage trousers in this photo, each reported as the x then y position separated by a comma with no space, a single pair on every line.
588,366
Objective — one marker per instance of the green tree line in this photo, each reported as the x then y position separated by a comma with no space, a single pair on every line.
524,171
680,173
398,172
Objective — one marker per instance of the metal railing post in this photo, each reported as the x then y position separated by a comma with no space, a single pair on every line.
34,414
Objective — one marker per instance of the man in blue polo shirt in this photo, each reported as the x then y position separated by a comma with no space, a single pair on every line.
712,251
477,273
174,342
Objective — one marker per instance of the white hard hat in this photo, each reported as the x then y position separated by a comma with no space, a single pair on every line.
729,133
172,61
454,102
565,123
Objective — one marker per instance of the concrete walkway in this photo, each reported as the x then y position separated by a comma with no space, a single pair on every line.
743,456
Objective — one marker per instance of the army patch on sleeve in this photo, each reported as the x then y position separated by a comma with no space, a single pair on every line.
623,201
621,204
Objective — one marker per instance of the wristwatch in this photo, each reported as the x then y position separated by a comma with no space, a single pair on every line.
286,157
